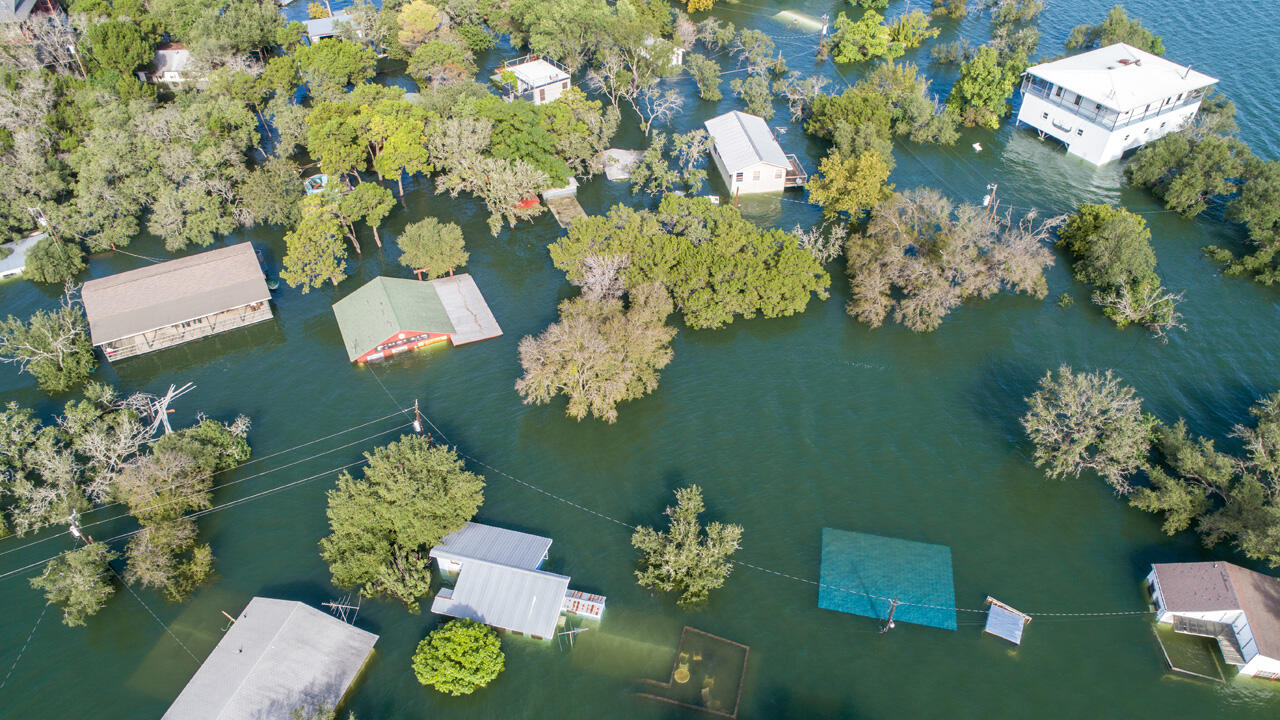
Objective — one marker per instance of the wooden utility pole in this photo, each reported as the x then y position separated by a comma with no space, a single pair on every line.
822,34
889,625
417,417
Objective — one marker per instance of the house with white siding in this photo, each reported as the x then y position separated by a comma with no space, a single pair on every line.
748,157
532,78
1106,102
1237,607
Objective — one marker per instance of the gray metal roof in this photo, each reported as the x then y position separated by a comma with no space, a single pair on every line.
168,293
16,261
279,655
319,28
171,57
470,314
16,10
493,544
744,140
524,601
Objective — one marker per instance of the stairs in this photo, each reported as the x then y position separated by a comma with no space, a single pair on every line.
1221,632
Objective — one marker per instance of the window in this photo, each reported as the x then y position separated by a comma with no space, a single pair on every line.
1077,101
1080,132
1126,138
777,174
542,94
1163,124
1044,115
1097,106
755,175
1178,98
738,177
564,85
1057,91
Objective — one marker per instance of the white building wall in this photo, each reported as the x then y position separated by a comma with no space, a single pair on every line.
758,178
1263,666
1092,142
548,93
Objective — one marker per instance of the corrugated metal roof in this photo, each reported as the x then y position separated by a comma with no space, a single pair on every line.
318,28
385,306
744,140
168,293
468,312
278,655
1121,76
495,545
525,601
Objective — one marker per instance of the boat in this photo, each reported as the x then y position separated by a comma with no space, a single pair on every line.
315,183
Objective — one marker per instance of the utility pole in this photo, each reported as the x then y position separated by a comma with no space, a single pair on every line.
989,200
822,34
76,53
417,417
889,625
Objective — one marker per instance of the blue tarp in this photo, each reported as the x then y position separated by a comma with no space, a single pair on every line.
856,566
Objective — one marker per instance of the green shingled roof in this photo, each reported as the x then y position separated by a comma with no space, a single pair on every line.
385,306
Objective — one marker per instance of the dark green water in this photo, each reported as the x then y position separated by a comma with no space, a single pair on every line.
790,425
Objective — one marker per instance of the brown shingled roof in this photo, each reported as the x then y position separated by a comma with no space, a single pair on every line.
173,292
1259,597
1214,586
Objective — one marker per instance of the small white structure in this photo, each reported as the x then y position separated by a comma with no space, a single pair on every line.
1237,607
170,65
536,79
325,27
677,52
15,262
748,157
1105,102
499,583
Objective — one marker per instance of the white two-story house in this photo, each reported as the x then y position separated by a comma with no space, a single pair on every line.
1237,607
1105,102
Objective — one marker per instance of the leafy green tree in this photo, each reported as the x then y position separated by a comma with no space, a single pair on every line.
1081,421
951,9
599,353
912,29
686,558
314,251
850,185
519,134
864,39
417,20
477,38
652,172
981,96
53,261
582,130
368,202
270,193
441,60
756,93
870,4
413,493
78,581
567,31
1185,171
119,46
892,100
329,67
52,345
1117,27
706,72
459,657
432,247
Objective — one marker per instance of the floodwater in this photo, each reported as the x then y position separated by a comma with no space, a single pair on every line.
790,425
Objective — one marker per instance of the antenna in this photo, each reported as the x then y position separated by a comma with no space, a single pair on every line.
340,608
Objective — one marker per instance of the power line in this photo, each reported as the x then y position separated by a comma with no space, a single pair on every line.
153,614
25,643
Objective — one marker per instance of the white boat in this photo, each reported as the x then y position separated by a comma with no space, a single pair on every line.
315,183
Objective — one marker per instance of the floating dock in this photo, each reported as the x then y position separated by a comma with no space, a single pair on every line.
1005,622
565,209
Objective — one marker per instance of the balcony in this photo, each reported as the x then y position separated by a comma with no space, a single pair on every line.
1103,116
1221,632
796,176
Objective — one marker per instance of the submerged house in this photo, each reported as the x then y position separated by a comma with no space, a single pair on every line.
1108,101
387,315
533,78
13,255
499,583
169,303
277,657
748,157
1237,607
325,27
172,64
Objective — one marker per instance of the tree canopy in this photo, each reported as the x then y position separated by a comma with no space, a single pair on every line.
52,345
78,581
459,657
686,558
432,247
1117,27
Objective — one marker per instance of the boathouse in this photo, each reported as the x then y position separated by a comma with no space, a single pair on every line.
535,79
1235,606
498,581
277,657
386,316
169,303
748,157
1105,102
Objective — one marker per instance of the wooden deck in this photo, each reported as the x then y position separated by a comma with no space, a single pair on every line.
566,209
472,320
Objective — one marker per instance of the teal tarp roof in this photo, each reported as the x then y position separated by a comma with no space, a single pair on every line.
857,566
385,306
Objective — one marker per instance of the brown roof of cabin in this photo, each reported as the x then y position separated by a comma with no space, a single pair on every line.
1215,586
168,293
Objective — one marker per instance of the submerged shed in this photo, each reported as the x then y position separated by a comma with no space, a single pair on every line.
1005,622
166,304
277,657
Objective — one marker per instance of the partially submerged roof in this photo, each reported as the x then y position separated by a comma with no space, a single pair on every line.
168,293
744,140
1222,586
470,314
16,261
863,574
324,27
279,655
1122,77
537,72
385,306
512,598
1005,622
494,544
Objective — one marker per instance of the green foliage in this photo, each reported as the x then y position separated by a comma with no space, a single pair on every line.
850,185
459,657
270,193
78,581
599,354
950,9
441,60
119,46
912,29
716,264
368,202
519,134
1081,421
314,251
1111,246
212,447
329,67
1258,207
706,73
433,247
477,38
1117,27
892,100
756,93
52,261
417,20
52,345
686,558
864,39
1185,171
981,96
870,4
413,493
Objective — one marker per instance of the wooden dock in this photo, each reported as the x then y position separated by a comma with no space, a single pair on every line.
565,208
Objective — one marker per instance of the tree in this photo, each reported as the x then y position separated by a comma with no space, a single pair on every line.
1081,421
459,657
756,93
706,72
369,202
441,60
912,29
432,247
851,185
1185,170
1118,27
864,39
329,67
314,251
271,192
413,493
417,21
52,261
119,46
79,581
951,9
599,353
892,100
981,95
53,345
686,558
